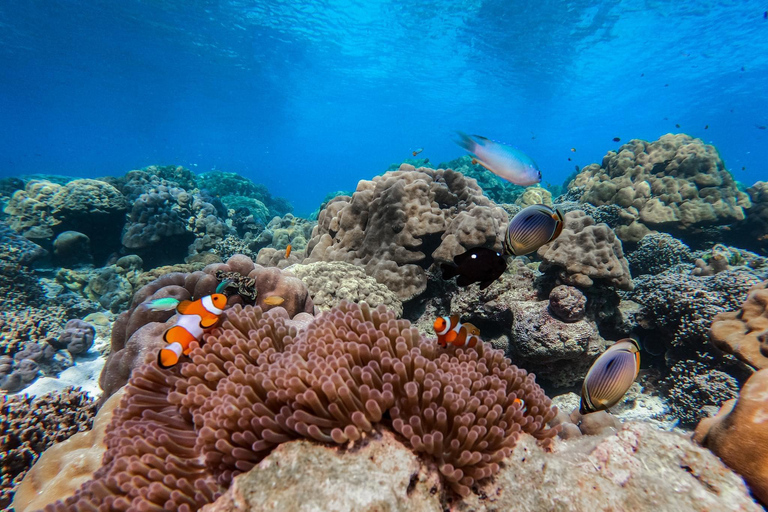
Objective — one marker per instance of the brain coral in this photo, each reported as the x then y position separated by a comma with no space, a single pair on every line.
674,184
257,382
398,224
585,253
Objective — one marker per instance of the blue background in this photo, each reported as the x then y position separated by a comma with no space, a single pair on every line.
308,97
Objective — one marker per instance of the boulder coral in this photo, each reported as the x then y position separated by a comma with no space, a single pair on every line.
744,332
258,382
398,224
738,434
586,253
674,184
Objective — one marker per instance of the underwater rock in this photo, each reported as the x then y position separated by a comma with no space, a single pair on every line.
744,332
72,247
567,303
400,223
738,434
674,184
77,337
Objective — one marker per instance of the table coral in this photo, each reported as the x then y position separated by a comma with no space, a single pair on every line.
31,425
738,434
398,224
744,332
674,184
584,253
257,382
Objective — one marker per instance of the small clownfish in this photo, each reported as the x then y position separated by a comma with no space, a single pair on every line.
195,317
451,330
520,401
288,250
418,151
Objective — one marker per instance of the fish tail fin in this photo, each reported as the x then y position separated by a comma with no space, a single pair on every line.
449,271
169,355
466,142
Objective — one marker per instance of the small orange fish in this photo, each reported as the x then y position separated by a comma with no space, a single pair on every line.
194,319
451,330
288,250
523,408
418,151
274,300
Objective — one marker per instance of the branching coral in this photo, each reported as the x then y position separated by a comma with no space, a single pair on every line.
257,382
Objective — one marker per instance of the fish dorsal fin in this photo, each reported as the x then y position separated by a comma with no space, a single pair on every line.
183,307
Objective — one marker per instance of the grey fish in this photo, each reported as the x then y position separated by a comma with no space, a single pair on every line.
610,376
531,228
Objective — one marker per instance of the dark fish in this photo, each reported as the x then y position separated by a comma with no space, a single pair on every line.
677,126
706,127
616,139
577,168
760,127
765,15
610,376
569,159
531,228
477,265
743,168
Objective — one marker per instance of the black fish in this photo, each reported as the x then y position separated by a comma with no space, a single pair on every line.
760,127
707,126
478,265
677,126
765,15
616,139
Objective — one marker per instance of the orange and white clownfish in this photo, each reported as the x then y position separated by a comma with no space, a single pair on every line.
195,317
450,330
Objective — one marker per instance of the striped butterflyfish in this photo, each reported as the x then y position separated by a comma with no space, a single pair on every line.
610,376
531,228
194,318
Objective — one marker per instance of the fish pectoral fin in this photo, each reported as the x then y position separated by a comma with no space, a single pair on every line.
464,281
208,321
183,307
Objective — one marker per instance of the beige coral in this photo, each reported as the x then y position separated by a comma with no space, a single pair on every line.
744,333
676,182
585,252
398,224
65,466
534,195
330,282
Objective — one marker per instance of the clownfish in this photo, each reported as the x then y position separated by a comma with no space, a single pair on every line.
195,317
451,330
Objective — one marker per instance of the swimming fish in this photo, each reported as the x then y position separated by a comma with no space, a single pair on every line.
274,300
194,319
288,250
677,126
504,161
164,304
450,330
531,228
706,127
573,150
616,139
477,265
418,151
610,376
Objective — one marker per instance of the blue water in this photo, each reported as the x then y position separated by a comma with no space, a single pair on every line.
309,97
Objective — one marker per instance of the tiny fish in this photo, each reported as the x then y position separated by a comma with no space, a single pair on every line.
274,300
573,150
610,376
418,151
164,304
760,127
450,330
765,15
531,228
569,159
194,319
504,161
520,401
616,139
677,126
477,265
288,250
743,168
706,127
577,168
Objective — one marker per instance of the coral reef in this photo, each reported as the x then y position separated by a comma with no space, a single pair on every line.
657,252
534,195
253,386
738,434
30,425
228,184
675,184
494,188
330,282
696,388
398,224
567,303
744,333
77,337
584,253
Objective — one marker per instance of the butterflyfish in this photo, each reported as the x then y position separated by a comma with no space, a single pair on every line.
195,317
610,376
450,330
504,161
418,151
531,228
477,265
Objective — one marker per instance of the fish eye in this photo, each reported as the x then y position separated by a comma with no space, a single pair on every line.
474,256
